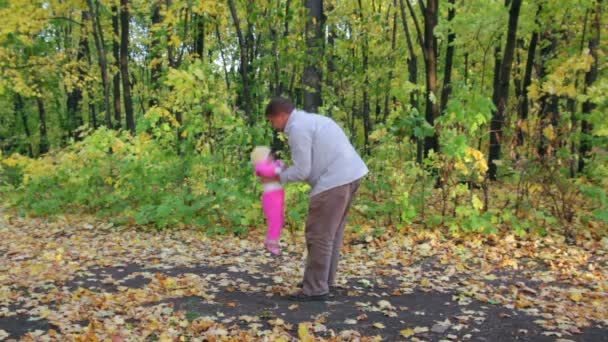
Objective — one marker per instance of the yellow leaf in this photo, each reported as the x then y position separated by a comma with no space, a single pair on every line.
549,133
379,325
576,296
303,333
407,332
477,204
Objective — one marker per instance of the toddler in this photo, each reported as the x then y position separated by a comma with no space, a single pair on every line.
273,199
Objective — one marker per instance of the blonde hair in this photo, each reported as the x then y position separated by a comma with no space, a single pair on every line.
259,153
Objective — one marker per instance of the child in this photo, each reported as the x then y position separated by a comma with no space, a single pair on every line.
273,199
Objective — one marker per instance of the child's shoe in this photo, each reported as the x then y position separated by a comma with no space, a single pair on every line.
273,246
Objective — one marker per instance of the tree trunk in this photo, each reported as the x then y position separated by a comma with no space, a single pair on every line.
116,55
20,111
124,64
391,72
74,97
103,61
548,102
314,42
449,58
156,65
199,44
590,78
572,107
412,63
501,90
221,46
245,98
44,139
431,11
524,106
366,106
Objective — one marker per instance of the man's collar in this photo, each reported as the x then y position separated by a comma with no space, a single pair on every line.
290,120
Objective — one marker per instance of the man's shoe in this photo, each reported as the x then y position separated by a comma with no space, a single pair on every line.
300,297
332,288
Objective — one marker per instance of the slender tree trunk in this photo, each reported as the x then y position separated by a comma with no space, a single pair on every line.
199,44
466,68
276,88
501,91
103,61
20,110
449,59
74,97
44,139
124,65
590,78
366,105
116,55
221,46
156,65
572,107
548,102
315,25
431,11
93,115
245,98
524,106
391,72
412,62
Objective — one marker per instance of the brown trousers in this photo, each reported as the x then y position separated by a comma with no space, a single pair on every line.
324,234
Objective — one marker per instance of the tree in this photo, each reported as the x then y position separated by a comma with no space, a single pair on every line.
501,89
315,25
102,57
124,64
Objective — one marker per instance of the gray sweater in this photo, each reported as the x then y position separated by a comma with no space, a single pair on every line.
322,155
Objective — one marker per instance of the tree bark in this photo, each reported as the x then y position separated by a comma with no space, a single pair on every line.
366,106
412,63
124,65
20,111
590,78
391,72
431,12
103,61
315,24
501,90
199,44
548,102
116,55
245,98
449,60
74,97
524,106
156,65
44,139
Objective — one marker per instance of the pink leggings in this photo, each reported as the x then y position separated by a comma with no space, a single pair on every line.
273,203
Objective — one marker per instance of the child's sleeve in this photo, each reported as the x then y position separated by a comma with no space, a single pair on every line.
266,169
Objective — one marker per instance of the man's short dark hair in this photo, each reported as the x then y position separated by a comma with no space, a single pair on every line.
279,105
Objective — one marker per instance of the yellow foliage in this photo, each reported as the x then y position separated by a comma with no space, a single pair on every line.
304,334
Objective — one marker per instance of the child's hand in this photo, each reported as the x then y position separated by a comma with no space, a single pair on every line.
270,179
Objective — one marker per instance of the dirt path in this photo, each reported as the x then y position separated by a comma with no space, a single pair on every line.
68,280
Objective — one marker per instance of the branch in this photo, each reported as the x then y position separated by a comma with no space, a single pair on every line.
66,19
420,39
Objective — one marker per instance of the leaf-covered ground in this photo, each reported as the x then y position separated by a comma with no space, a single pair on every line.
85,280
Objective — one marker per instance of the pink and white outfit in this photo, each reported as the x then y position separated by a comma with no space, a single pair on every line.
273,202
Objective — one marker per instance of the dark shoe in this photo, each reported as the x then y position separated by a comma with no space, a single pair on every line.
300,297
332,288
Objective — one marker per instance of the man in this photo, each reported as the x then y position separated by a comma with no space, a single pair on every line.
325,159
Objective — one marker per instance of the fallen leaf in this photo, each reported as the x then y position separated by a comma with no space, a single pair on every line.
378,325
